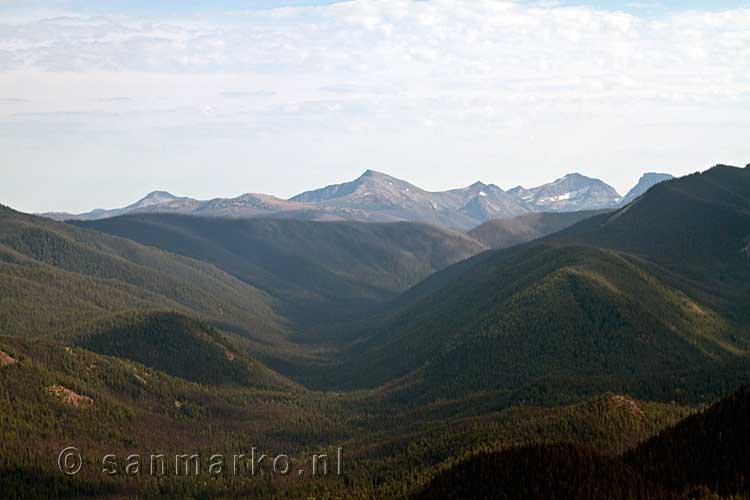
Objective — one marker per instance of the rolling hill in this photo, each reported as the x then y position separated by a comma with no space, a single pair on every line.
174,344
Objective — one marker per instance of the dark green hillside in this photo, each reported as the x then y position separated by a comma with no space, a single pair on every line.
561,472
425,436
390,451
567,314
553,312
53,275
53,396
703,457
174,344
314,266
709,449
695,229
504,233
696,226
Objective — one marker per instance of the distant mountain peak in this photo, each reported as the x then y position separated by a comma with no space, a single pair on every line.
374,175
369,183
646,182
572,192
577,177
574,175
473,188
157,194
377,196
154,198
654,177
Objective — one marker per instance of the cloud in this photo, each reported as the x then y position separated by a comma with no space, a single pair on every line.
549,52
539,86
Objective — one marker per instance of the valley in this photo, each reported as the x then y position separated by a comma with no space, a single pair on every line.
374,250
429,348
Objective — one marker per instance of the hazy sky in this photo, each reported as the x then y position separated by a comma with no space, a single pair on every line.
103,101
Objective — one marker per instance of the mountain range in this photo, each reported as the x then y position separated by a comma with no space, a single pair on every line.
655,288
377,197
550,354
644,290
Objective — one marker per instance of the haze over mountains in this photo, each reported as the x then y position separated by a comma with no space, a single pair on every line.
377,197
81,275
310,267
414,346
644,290
504,233
374,250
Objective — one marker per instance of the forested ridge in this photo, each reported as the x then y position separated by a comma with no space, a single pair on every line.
602,361
705,456
657,288
505,233
315,269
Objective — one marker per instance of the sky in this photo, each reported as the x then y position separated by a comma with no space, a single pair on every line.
104,101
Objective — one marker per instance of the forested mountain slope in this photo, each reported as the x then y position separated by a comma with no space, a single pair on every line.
174,344
311,267
104,340
708,448
504,233
695,226
699,458
54,276
621,299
